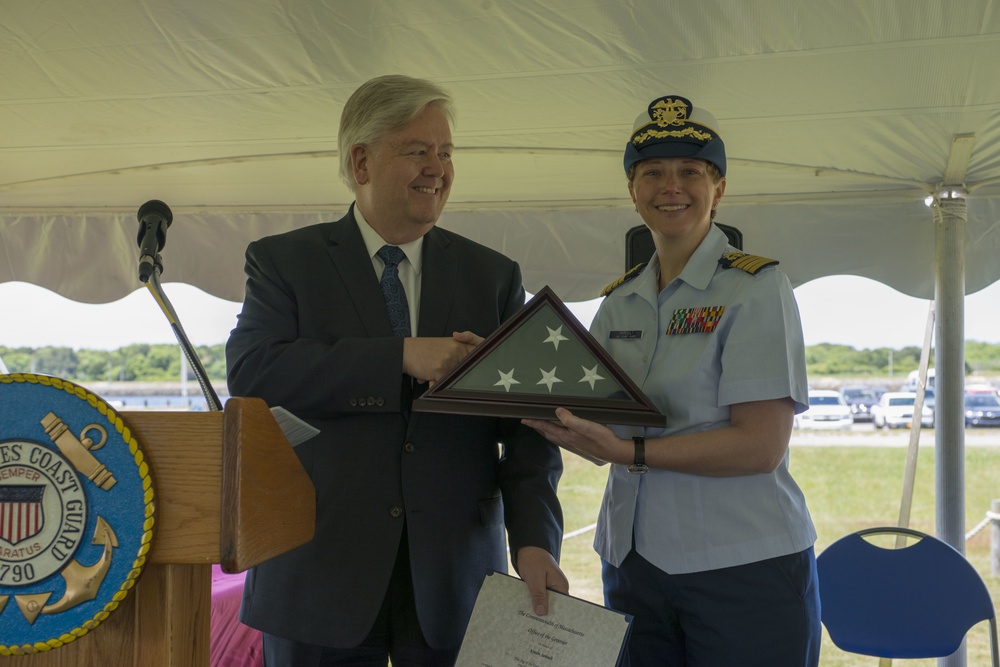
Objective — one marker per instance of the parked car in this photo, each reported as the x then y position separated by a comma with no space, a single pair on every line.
895,410
827,410
982,409
860,400
929,399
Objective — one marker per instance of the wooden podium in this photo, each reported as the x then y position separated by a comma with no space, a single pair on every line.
228,489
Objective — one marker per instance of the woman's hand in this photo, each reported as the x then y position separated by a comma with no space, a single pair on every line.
590,440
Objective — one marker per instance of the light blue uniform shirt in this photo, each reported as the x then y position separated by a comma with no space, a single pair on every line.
687,523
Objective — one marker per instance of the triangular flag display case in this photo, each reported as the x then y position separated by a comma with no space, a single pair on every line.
537,361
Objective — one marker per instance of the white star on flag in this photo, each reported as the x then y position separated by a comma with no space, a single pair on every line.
555,335
549,378
507,379
590,375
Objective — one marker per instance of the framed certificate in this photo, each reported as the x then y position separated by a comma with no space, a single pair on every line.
504,631
539,360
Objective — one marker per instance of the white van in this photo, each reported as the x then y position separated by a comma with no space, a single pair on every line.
911,380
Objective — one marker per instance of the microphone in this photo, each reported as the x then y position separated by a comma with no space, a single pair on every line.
154,217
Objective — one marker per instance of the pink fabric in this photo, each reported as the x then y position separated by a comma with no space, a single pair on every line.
232,644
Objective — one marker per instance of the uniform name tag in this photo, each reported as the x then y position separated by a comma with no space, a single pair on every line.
695,320
626,335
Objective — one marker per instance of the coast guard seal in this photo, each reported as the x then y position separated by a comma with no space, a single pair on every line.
76,512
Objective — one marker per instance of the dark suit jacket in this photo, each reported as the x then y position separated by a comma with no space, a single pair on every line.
314,337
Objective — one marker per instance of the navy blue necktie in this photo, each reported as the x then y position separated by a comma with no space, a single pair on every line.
392,290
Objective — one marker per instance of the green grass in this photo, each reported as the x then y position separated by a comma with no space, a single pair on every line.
847,488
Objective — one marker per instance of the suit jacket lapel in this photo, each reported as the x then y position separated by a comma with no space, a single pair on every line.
437,294
350,260
437,284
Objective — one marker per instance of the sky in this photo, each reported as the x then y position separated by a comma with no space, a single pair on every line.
847,310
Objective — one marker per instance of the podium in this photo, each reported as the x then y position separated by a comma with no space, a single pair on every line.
229,489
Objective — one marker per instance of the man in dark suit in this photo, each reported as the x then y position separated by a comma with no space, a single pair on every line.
411,507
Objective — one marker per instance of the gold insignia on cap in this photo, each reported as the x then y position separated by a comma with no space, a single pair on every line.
669,111
629,275
670,119
687,132
752,264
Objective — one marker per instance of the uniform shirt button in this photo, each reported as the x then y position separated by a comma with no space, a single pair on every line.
395,511
408,447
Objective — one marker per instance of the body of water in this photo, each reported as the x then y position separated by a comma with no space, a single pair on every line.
192,402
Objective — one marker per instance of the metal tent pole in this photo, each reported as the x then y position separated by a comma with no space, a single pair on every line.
949,453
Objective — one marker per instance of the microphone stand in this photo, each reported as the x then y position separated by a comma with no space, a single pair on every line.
153,285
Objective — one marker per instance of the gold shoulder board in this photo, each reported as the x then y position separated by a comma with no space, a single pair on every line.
752,264
629,275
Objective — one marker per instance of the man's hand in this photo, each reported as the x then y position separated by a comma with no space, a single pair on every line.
540,572
427,359
468,337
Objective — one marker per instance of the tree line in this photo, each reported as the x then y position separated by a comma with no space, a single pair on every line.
845,361
162,362
132,363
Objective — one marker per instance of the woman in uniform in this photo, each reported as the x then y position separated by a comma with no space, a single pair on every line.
704,536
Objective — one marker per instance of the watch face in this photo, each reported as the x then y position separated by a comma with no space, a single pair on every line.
539,360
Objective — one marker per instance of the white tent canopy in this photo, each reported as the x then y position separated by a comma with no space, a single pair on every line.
839,120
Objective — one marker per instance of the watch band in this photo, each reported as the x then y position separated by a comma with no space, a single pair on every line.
639,466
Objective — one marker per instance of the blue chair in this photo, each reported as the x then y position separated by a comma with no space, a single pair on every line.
917,601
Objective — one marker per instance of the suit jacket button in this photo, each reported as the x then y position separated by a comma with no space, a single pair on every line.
408,447
395,511
370,400
380,401
353,402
